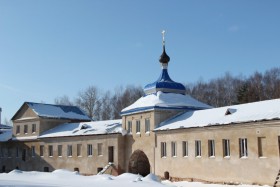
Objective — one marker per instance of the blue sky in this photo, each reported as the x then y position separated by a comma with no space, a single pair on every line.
54,48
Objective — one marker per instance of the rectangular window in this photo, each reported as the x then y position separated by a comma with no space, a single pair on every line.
261,144
197,148
18,129
211,148
89,149
138,126
69,150
79,149
33,128
173,149
41,150
25,130
99,149
17,152
59,150
185,148
23,155
9,153
226,148
33,151
243,147
50,150
129,127
147,125
163,149
1,152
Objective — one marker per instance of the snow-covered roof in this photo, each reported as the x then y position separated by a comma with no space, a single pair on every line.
161,100
257,111
5,135
57,111
85,128
4,126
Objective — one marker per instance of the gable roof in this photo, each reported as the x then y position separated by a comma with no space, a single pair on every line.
55,111
250,112
161,100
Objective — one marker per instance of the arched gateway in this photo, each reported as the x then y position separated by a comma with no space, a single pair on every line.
139,163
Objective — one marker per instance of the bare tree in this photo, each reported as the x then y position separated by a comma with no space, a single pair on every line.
271,81
106,112
63,100
8,122
88,100
217,92
125,97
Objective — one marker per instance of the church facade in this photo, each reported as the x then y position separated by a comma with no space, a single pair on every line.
165,132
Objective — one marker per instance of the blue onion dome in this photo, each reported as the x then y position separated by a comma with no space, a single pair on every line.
164,83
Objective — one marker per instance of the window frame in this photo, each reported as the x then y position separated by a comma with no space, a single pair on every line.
226,148
17,152
42,150
89,150
129,127
50,152
33,151
59,150
243,147
9,152
69,150
34,128
25,129
174,149
79,150
261,150
211,148
138,127
163,149
147,125
100,149
197,148
18,129
185,151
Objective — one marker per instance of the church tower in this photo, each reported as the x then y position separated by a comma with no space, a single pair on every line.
164,82
163,99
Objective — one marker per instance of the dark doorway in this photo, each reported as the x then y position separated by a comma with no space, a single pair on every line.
139,163
3,169
99,170
111,154
46,169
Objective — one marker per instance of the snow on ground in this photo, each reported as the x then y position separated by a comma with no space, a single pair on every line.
63,178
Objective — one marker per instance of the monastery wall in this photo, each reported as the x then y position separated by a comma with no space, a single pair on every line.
46,156
260,166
